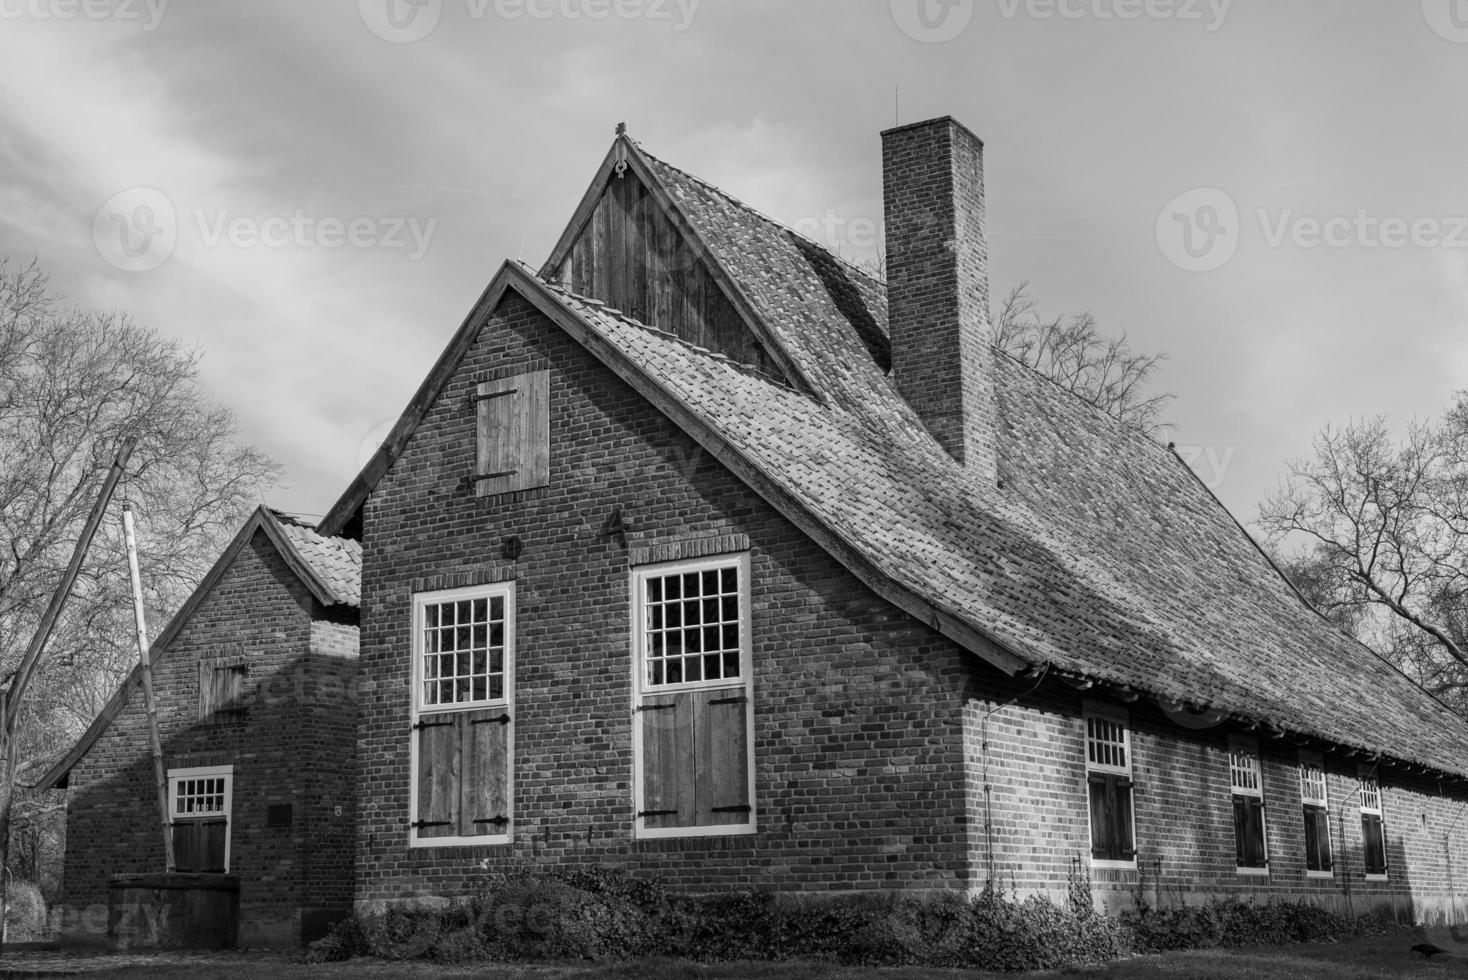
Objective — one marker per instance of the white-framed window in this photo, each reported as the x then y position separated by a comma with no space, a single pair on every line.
1246,788
1109,786
200,804
1315,804
1373,828
462,716
693,695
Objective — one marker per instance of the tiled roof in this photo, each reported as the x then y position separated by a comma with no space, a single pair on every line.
1101,554
336,562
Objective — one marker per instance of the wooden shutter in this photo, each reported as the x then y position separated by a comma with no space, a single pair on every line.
668,779
721,757
1249,831
199,845
1103,818
1317,838
514,433
1373,836
1121,811
221,690
484,739
438,776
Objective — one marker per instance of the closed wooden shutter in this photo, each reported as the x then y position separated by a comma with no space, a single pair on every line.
484,806
514,433
1111,816
720,757
439,752
1317,838
221,690
1373,836
668,777
1249,831
199,845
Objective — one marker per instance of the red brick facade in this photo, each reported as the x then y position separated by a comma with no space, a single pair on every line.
293,747
870,747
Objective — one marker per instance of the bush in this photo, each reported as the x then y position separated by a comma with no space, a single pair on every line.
603,914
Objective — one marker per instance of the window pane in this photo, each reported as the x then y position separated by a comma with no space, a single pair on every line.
731,580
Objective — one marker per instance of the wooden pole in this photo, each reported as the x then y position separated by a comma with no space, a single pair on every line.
21,679
160,775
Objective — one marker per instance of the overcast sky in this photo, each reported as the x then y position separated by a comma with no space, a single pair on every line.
1274,194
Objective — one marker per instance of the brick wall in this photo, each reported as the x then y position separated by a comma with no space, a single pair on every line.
1184,817
293,746
856,707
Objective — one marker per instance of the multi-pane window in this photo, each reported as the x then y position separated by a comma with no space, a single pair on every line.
463,652
199,803
1246,787
1109,785
692,690
463,684
1373,830
1315,800
692,626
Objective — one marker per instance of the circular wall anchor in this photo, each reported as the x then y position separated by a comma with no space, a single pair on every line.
512,547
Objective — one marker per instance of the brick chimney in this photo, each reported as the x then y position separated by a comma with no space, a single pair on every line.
938,285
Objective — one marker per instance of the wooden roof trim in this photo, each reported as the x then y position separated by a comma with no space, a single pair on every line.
261,520
623,148
665,401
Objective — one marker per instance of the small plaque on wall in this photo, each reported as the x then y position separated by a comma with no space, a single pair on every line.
278,815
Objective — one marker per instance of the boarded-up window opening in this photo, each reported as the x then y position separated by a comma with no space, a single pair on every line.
1315,803
694,708
462,728
222,690
1109,784
513,423
199,806
1246,785
1373,828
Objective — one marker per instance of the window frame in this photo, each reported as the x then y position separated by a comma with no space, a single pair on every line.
1309,760
1245,746
1119,716
1365,776
417,710
640,689
176,776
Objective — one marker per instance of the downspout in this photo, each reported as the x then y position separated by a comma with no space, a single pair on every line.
984,768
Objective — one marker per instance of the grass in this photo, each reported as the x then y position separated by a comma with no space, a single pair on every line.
1375,958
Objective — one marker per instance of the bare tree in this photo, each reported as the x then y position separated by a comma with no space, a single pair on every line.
1072,352
1383,521
73,384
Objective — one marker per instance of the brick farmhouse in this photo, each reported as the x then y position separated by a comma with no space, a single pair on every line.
254,681
703,553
